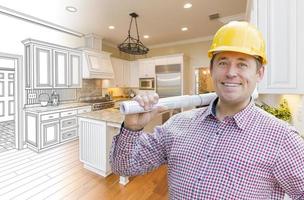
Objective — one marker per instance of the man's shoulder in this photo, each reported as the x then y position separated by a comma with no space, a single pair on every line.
191,114
270,121
186,117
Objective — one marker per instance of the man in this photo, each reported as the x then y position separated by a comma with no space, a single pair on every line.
229,150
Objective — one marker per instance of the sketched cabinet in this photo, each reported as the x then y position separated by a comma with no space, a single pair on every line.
60,59
74,79
51,66
42,64
49,133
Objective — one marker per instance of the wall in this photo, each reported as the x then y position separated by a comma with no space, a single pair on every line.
14,30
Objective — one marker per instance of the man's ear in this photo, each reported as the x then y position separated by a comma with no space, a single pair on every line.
260,73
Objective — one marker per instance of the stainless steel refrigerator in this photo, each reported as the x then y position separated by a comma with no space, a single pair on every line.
168,80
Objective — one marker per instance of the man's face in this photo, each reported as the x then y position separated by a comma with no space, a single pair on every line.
235,76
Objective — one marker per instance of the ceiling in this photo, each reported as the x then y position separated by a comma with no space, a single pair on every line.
161,21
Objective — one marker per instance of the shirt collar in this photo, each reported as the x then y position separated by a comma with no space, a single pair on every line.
240,118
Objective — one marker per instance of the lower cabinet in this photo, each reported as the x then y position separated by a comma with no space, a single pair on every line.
49,133
44,130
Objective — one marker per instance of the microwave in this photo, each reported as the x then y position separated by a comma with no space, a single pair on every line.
146,84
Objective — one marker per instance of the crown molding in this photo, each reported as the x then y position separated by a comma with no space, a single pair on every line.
181,42
34,20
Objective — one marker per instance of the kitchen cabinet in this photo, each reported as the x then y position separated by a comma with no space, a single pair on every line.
60,69
75,71
146,68
49,133
47,129
125,73
43,67
134,74
51,66
280,22
118,68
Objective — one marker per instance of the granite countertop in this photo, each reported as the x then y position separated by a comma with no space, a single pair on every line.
39,109
108,115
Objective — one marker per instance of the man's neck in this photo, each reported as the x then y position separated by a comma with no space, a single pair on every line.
224,109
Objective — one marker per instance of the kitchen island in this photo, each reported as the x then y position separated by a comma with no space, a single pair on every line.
96,132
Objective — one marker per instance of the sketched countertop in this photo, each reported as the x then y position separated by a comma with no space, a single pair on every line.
39,109
108,115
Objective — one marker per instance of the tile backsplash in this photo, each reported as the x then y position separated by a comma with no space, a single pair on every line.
64,95
90,88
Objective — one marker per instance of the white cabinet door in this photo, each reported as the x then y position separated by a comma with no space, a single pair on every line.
75,80
160,61
134,74
280,22
49,133
126,73
117,65
146,68
42,67
60,60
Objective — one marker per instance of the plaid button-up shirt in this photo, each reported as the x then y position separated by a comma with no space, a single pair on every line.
251,155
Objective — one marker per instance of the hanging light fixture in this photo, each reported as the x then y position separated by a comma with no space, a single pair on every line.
131,45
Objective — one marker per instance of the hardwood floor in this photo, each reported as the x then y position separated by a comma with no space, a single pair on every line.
58,174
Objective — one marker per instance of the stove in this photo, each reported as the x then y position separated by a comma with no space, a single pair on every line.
98,103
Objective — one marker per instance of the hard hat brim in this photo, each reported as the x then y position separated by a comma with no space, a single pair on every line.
247,51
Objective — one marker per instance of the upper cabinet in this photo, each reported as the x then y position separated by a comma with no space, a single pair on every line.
75,80
51,66
146,68
280,22
42,67
125,73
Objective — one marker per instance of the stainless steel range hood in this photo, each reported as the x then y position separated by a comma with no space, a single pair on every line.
96,63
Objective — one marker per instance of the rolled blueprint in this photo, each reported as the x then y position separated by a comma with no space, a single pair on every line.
132,107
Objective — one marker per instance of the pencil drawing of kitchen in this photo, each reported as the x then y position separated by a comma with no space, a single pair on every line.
63,77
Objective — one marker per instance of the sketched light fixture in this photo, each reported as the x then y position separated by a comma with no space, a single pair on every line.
132,45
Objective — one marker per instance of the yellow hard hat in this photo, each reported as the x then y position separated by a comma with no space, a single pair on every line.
239,37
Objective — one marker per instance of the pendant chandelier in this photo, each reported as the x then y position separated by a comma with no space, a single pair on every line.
131,45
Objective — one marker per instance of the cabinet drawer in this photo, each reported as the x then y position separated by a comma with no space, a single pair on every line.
49,116
68,113
68,123
84,110
69,134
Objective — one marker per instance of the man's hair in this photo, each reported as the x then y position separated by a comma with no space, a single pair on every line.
257,59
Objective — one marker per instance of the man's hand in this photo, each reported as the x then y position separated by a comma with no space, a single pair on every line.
138,121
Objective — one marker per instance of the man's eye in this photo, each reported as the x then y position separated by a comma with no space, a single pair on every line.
243,65
222,63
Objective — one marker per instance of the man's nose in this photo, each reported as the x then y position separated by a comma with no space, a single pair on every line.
232,70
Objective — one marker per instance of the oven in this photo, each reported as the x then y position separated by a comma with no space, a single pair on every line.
98,103
102,105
